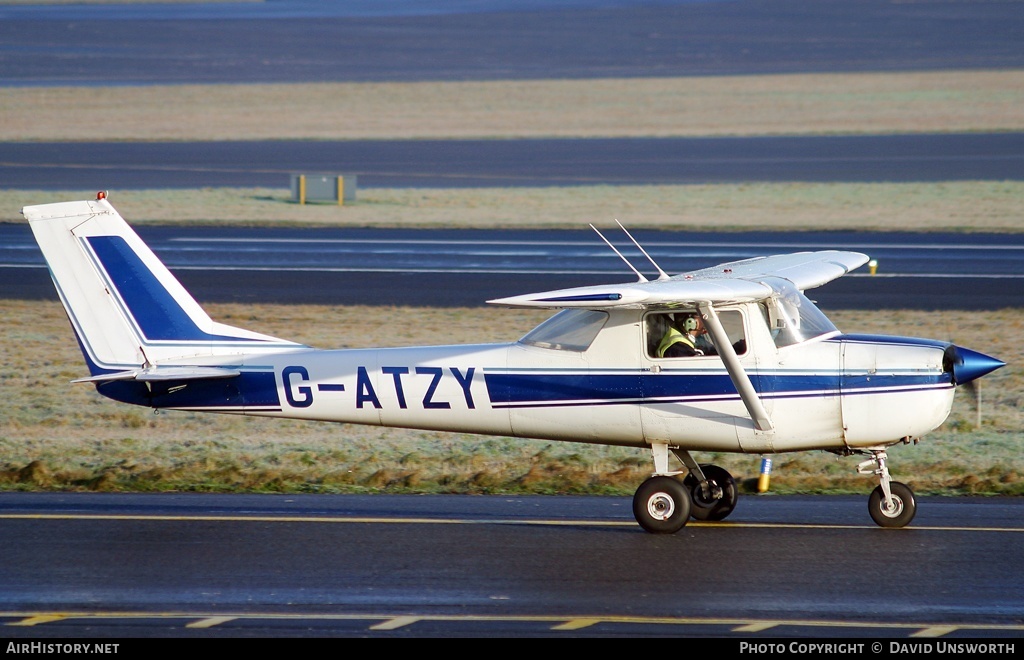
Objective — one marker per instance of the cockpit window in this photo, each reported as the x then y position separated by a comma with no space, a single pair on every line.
660,335
568,330
792,317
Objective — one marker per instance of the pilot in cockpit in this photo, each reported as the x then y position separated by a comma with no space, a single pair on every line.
686,337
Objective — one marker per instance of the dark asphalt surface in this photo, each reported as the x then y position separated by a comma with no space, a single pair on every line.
489,163
281,565
296,41
458,268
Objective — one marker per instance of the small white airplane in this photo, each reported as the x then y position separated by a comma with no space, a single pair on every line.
774,374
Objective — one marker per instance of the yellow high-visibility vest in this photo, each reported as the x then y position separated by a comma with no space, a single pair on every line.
673,336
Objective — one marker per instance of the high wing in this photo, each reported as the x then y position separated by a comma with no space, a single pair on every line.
737,281
734,282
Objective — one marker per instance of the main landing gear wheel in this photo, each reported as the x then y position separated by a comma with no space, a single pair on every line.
662,505
720,499
902,510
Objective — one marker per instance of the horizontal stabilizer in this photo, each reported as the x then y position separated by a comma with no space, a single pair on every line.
154,374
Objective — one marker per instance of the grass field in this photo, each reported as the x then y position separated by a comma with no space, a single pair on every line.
957,206
798,104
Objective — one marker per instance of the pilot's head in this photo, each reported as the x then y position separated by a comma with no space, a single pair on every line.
690,324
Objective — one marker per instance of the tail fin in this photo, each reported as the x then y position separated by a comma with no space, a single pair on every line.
128,311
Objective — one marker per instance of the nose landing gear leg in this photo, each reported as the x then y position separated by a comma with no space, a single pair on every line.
891,503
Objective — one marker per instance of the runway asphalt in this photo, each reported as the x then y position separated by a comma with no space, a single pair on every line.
465,268
274,565
503,163
407,40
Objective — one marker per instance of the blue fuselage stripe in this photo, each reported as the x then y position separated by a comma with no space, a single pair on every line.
519,389
247,390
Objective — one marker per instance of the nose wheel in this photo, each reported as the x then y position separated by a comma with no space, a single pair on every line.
898,511
891,504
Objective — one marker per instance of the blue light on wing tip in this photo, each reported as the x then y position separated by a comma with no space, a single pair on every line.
593,297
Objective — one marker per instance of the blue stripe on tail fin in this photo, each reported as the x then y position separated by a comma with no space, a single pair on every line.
158,316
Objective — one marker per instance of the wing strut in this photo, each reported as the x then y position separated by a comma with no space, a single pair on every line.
737,373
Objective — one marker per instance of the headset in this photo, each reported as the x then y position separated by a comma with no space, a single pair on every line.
690,324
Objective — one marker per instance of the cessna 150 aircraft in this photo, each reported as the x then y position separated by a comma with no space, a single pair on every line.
776,375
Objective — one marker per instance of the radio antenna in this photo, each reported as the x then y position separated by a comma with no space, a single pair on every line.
638,273
662,275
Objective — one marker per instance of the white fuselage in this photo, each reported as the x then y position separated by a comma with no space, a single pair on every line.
830,392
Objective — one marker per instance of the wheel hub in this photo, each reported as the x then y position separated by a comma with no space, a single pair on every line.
894,510
661,506
714,493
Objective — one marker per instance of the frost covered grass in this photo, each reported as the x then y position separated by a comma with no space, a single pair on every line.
789,104
952,206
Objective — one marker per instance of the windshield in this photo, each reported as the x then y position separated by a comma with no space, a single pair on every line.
568,330
792,317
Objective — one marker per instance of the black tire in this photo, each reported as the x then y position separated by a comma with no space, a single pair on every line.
711,509
661,505
904,506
